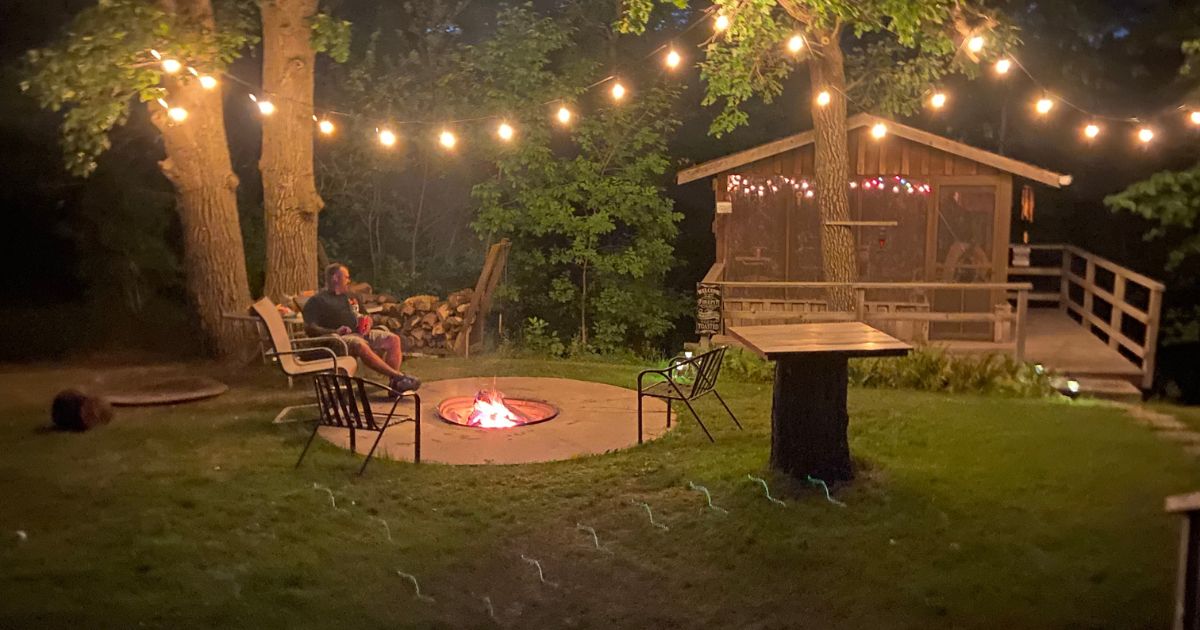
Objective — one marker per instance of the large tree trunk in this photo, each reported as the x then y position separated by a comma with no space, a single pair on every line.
290,199
838,255
198,166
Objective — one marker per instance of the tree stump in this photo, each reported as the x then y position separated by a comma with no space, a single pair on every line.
809,419
73,410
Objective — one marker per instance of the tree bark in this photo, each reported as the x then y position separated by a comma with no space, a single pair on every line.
809,419
198,166
838,251
290,199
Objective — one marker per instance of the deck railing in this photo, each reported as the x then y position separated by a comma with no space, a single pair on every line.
904,309
1120,306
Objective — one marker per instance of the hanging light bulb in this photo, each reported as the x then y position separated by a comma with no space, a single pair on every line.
618,91
178,114
879,131
1044,105
387,137
505,131
795,43
208,82
673,59
975,44
721,23
563,115
1003,66
1145,135
938,100
325,126
447,139
1195,117
171,66
1091,131
823,98
266,107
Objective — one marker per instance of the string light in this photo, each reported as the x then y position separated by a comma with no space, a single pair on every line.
1145,135
563,115
823,98
264,106
938,100
505,131
1195,117
721,23
1003,66
171,66
387,137
447,139
618,91
879,131
1091,131
673,59
975,44
1044,105
208,82
325,126
795,44
178,114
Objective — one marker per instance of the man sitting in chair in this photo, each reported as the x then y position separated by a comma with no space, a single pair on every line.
333,311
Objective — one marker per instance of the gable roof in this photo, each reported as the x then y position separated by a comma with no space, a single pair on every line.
995,160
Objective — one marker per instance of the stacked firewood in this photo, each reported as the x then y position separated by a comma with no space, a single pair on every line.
424,322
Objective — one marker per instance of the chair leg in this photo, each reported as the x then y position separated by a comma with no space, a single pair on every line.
307,444
639,417
668,413
727,410
371,452
698,420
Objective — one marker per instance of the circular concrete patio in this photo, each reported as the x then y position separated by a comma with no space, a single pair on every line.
593,418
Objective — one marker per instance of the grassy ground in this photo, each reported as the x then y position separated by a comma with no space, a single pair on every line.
968,513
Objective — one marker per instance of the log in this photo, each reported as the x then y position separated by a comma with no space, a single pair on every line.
461,309
438,329
429,319
809,420
443,310
408,308
73,410
422,302
362,289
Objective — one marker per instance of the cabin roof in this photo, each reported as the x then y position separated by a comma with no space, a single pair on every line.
995,160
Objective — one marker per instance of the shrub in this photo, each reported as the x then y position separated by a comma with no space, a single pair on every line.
926,368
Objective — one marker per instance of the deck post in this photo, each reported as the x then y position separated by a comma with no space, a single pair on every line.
860,304
1089,288
1114,320
1064,284
1153,309
1021,322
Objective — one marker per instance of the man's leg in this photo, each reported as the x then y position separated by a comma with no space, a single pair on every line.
387,345
361,349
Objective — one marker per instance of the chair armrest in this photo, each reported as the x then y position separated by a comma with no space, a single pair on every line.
332,356
345,346
665,373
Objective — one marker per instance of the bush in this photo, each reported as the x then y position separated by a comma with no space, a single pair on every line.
926,368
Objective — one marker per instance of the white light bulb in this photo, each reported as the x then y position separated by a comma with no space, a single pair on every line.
721,23
938,100
325,126
447,139
207,82
879,131
823,98
618,91
266,107
1044,105
178,114
975,44
795,43
1145,134
673,59
387,138
1091,131
564,115
505,131
1195,117
1003,66
171,66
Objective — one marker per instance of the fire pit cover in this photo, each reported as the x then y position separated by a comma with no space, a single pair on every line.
489,409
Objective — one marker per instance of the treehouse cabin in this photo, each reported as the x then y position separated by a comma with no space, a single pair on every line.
931,221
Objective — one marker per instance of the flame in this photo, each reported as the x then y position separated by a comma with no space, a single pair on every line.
490,412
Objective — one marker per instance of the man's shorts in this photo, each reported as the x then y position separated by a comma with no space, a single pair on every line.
376,339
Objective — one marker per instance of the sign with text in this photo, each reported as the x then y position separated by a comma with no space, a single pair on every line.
708,309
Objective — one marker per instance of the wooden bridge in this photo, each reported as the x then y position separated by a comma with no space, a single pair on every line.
1078,314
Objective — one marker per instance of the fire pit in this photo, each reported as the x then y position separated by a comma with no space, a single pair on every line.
489,409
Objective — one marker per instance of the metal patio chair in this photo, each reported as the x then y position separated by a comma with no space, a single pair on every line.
343,403
704,369
292,358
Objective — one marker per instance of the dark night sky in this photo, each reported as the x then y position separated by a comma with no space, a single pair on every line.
1120,57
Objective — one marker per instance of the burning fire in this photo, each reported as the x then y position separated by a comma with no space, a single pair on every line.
490,412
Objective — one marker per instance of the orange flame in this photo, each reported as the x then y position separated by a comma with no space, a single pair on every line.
490,412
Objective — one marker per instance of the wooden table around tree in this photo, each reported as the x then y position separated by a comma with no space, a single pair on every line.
808,406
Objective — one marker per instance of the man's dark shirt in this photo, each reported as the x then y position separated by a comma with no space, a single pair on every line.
330,311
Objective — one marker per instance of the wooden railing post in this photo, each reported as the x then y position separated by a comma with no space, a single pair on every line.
1187,586
860,304
1154,310
1064,284
1089,286
1020,325
1114,320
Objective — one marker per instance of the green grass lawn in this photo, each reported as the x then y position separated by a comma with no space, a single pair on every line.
968,512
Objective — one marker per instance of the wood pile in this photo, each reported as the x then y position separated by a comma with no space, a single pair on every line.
424,322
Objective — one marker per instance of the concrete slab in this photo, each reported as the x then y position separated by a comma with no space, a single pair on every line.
593,418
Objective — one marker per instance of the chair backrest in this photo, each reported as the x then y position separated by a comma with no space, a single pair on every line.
708,368
276,332
343,402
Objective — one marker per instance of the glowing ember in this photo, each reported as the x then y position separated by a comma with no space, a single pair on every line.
490,412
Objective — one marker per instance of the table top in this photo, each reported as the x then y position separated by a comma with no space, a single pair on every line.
850,339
